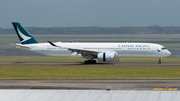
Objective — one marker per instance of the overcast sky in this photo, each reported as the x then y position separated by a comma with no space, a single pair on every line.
102,13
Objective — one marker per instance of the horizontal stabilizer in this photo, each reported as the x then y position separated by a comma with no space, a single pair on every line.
20,46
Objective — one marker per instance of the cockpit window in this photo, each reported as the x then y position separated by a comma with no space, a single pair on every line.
163,48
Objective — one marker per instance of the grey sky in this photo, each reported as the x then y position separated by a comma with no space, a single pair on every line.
103,13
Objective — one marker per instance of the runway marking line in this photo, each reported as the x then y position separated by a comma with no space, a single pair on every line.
172,88
166,89
158,88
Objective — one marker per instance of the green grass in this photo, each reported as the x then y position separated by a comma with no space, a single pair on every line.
88,72
49,59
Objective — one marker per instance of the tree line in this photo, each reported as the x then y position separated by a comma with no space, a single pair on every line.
98,30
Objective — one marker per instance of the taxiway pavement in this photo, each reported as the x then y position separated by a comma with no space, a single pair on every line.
165,64
92,84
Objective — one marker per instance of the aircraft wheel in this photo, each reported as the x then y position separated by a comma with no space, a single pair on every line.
86,62
159,62
94,61
90,62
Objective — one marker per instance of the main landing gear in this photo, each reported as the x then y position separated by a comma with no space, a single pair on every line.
90,62
159,62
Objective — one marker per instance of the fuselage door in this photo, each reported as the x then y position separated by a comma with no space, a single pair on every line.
122,47
153,48
44,47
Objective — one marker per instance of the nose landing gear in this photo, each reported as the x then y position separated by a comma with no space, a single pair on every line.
159,62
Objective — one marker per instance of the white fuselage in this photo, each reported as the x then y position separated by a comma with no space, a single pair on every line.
122,49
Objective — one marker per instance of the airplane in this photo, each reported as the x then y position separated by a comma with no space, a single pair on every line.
103,52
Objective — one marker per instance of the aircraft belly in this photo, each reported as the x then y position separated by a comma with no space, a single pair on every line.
63,52
121,53
140,54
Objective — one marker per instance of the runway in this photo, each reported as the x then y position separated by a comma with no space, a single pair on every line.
93,84
165,64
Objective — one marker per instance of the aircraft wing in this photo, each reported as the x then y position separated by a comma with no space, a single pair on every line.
78,50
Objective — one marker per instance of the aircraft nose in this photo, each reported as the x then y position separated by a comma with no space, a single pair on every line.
168,53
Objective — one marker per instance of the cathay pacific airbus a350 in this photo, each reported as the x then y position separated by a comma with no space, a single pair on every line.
104,52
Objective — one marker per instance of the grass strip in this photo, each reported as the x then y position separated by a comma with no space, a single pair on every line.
88,72
53,59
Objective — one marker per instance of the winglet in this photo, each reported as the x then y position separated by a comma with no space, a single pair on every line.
52,43
71,41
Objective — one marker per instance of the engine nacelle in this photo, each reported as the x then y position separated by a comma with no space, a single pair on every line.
107,57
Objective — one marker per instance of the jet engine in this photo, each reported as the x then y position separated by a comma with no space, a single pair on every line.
107,57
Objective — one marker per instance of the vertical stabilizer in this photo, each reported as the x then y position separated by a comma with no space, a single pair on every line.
24,36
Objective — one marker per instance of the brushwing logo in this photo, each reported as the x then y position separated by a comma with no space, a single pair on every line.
158,50
25,38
